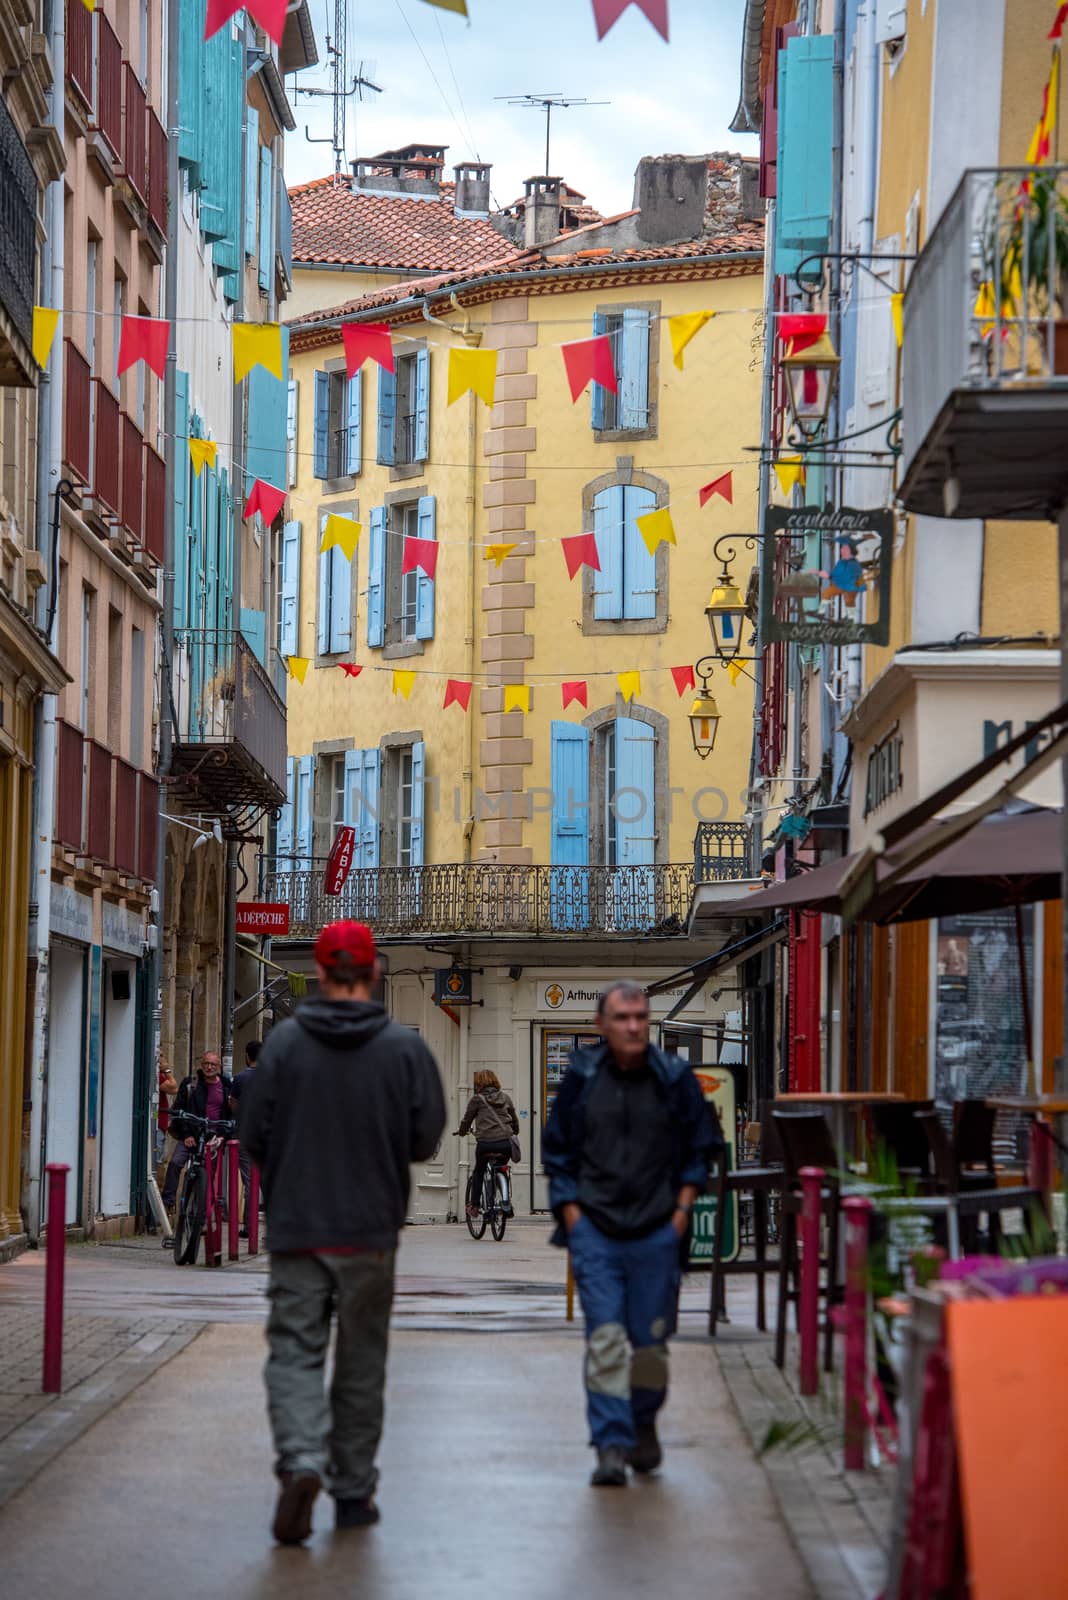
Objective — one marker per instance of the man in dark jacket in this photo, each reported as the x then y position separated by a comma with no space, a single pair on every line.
627,1149
207,1094
342,1101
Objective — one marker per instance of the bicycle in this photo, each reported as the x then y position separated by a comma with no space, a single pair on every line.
496,1205
201,1195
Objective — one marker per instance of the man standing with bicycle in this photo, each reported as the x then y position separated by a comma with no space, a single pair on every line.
205,1094
342,1101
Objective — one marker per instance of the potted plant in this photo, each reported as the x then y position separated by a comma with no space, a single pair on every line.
1026,252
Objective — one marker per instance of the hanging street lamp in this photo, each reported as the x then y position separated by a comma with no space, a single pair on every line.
811,375
704,713
726,610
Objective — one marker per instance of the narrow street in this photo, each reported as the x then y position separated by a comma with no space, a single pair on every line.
484,1462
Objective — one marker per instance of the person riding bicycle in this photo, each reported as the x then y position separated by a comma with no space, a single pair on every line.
493,1116
206,1094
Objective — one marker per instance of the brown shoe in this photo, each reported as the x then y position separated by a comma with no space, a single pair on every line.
293,1513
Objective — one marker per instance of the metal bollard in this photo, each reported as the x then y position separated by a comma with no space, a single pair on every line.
55,1253
233,1214
1041,1161
212,1240
252,1209
857,1224
809,1309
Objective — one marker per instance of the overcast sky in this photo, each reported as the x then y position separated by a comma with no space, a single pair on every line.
676,97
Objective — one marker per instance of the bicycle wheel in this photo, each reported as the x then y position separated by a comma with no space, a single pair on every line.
192,1210
476,1226
497,1215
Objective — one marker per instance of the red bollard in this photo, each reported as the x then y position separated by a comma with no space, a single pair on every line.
212,1231
252,1210
55,1252
233,1215
1041,1161
857,1224
809,1310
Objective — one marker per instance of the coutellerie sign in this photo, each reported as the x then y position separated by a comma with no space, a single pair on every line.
339,861
263,916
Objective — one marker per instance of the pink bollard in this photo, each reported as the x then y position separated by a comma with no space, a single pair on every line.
55,1256
233,1213
253,1210
212,1232
809,1310
857,1224
1041,1160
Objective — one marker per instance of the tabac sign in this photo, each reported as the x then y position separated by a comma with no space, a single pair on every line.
825,575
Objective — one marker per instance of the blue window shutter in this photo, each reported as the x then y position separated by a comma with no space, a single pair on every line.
635,809
805,165
376,577
362,769
608,531
322,613
252,172
254,630
639,567
304,807
291,433
634,376
266,450
418,802
354,424
422,405
226,533
289,592
266,263
182,470
321,426
284,838
211,547
424,586
340,601
191,92
571,795
387,414
600,326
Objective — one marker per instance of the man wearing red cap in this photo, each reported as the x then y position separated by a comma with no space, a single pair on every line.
343,1100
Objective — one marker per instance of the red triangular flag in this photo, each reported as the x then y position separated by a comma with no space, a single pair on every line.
367,341
606,13
1058,22
684,679
419,553
349,670
574,691
265,499
581,551
144,339
801,328
270,14
457,693
590,361
723,485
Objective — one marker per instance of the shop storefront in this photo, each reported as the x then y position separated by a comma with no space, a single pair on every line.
73,1046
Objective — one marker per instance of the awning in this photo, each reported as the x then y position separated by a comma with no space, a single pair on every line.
712,966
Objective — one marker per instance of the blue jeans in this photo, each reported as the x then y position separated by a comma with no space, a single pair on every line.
629,1289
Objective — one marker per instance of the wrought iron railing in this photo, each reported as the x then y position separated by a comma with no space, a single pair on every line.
135,131
133,478
487,898
18,227
722,851
155,501
109,83
157,171
224,697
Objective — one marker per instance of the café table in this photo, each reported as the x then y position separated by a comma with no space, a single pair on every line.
1039,1107
838,1103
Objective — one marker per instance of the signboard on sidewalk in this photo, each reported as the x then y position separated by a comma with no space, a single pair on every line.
717,1086
269,917
339,861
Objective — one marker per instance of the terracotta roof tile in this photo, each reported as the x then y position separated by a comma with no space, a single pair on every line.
332,224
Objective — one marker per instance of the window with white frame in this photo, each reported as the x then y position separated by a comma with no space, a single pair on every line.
629,330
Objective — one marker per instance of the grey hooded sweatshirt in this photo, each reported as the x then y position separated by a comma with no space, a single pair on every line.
342,1101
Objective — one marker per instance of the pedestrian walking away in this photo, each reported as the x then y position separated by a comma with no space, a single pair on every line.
206,1094
493,1116
240,1084
342,1101
627,1149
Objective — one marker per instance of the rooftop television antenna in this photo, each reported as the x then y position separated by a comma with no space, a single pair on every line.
548,103
339,93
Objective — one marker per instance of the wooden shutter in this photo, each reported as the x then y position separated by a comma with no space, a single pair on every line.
304,808
340,601
422,405
284,837
321,426
252,173
597,391
608,531
182,470
266,262
639,567
635,806
289,592
570,747
376,577
387,417
418,801
805,154
633,378
354,424
362,774
424,586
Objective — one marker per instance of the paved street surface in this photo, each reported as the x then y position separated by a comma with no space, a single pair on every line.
484,1464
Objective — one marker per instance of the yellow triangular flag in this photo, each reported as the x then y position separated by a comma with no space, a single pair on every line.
90,5
682,330
789,470
402,682
298,667
257,344
630,684
343,532
450,5
516,697
472,369
656,527
896,303
44,331
497,552
202,452
734,671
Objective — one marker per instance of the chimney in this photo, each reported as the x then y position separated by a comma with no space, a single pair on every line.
472,197
541,211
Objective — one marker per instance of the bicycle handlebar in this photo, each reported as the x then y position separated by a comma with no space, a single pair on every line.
206,1122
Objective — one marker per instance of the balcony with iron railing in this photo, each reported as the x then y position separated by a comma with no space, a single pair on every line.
107,450
135,133
722,852
230,734
109,84
985,351
106,809
157,172
77,413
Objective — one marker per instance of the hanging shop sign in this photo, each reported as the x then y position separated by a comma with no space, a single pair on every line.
339,861
452,986
263,916
825,575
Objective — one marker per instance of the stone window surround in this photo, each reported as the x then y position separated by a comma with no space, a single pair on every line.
347,484
331,658
651,429
403,647
387,815
410,469
626,475
596,722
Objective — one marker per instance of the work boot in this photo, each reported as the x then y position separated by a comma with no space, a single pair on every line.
293,1513
645,1455
355,1513
611,1469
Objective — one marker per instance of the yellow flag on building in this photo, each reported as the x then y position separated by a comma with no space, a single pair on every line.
342,532
630,684
44,331
298,667
257,344
402,682
683,328
516,697
497,552
472,369
789,470
656,528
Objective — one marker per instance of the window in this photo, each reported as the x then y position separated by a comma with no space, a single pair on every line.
289,592
405,522
87,655
137,697
625,588
337,426
630,410
92,258
403,804
115,684
118,311
329,800
400,605
616,766
334,633
404,411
